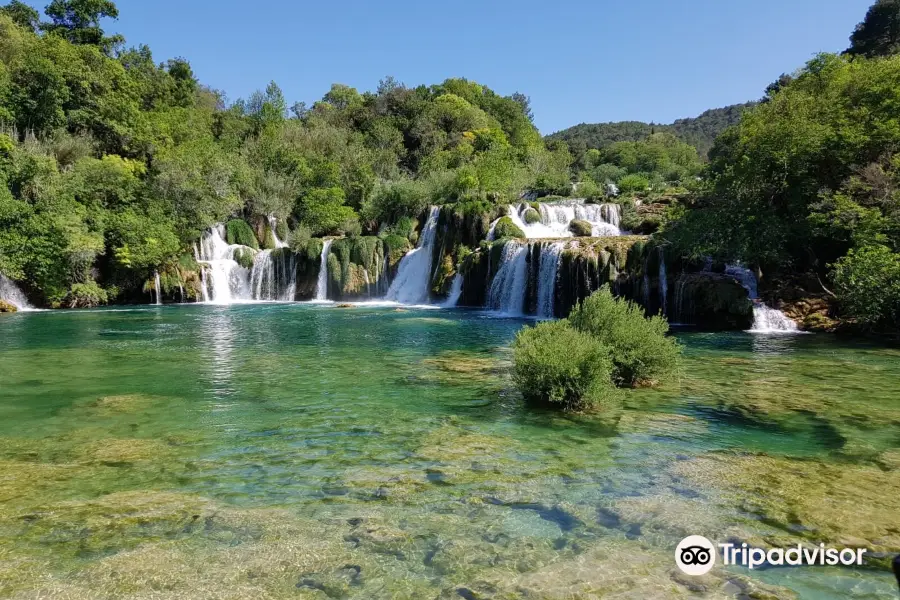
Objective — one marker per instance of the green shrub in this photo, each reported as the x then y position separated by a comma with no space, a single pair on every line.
350,227
634,183
281,229
581,228
396,247
85,295
556,365
505,228
298,239
244,257
641,352
531,216
867,283
239,232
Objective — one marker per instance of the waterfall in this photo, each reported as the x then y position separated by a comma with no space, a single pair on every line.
158,287
765,318
663,283
414,274
507,293
556,217
224,280
455,292
10,292
549,267
273,222
322,285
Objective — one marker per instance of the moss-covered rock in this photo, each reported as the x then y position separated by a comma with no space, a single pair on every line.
357,268
505,228
6,307
531,216
239,232
244,256
581,228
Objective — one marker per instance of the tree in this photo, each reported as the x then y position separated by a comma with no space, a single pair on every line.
79,22
22,15
879,33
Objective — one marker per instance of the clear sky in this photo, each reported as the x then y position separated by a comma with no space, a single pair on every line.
579,61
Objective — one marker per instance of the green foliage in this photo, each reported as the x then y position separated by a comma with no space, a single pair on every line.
581,228
505,228
807,175
867,282
557,365
299,238
85,295
638,346
879,33
238,231
634,183
700,132
244,257
323,209
78,21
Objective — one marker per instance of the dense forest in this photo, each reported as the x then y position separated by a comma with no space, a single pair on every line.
114,164
700,132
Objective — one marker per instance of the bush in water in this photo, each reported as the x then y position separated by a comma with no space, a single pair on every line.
557,365
641,352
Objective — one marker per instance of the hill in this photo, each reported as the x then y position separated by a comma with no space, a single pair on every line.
699,132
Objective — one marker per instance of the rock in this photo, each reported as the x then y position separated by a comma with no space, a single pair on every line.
6,307
581,228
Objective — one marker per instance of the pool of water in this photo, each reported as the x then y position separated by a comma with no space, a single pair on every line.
311,451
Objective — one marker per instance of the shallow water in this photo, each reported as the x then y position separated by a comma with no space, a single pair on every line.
290,450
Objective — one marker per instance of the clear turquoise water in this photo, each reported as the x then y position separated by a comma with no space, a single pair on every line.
391,442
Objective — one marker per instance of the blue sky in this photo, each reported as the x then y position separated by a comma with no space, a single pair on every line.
579,61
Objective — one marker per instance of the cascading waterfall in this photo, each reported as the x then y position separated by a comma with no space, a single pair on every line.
765,318
414,273
224,280
322,283
273,276
555,219
663,282
549,268
10,292
455,291
273,223
507,293
158,287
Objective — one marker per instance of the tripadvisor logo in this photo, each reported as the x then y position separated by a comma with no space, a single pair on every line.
696,555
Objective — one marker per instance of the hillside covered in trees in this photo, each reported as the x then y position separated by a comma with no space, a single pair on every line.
700,132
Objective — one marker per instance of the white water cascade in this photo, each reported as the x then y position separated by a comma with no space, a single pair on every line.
224,280
549,268
765,318
663,283
414,273
507,293
157,288
456,289
268,271
10,292
556,217
322,284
